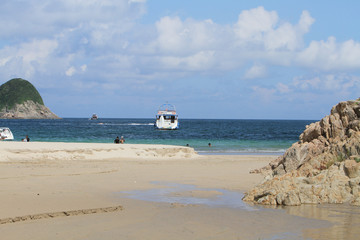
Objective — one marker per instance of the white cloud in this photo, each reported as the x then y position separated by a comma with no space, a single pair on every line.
106,32
175,36
83,68
330,55
284,37
137,1
44,17
257,35
283,88
324,88
256,71
199,61
305,84
47,37
53,38
305,22
171,33
27,58
264,94
253,24
70,71
287,36
260,27
339,84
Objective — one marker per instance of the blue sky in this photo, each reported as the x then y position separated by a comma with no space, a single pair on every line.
211,59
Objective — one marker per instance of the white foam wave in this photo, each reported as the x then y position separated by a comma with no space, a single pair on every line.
141,124
244,151
127,124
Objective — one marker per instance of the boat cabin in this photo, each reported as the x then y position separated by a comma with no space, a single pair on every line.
166,118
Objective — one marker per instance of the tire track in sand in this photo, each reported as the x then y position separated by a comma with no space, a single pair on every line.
60,214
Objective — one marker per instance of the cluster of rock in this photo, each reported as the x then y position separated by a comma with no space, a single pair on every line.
322,167
28,110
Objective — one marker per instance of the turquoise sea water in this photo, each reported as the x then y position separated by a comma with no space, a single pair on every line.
225,136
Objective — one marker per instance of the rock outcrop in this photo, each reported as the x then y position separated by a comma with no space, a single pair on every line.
28,110
322,167
19,99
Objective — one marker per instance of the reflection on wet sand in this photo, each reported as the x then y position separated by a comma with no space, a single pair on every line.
315,222
345,220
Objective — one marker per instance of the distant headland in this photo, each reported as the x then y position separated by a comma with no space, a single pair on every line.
19,99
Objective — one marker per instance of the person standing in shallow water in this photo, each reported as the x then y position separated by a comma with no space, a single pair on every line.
122,140
209,144
27,139
117,140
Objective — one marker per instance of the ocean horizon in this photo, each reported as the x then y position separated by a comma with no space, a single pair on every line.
226,136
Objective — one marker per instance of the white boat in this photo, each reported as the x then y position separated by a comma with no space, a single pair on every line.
6,134
166,118
94,117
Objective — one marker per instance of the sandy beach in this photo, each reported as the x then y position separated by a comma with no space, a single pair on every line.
123,191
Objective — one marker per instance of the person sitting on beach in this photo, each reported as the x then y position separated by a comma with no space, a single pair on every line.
122,140
117,140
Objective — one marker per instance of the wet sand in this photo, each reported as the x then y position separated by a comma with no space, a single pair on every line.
91,191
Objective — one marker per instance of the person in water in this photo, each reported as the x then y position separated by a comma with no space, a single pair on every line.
117,140
122,140
209,144
27,139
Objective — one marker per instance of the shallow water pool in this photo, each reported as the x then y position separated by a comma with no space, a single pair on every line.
190,194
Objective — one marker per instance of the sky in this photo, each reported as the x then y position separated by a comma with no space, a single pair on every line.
229,59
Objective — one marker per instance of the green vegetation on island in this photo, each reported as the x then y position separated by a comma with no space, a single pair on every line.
18,91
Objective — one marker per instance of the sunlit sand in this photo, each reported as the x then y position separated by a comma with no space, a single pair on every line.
86,191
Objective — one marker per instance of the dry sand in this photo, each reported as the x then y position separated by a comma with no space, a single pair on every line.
85,191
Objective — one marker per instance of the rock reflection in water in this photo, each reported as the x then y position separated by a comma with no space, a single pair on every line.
345,220
313,222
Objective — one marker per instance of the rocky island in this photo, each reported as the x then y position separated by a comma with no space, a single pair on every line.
322,167
19,99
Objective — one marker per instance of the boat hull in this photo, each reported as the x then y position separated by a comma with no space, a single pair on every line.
6,134
166,123
167,128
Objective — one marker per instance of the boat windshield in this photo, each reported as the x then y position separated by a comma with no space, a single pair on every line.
167,117
167,107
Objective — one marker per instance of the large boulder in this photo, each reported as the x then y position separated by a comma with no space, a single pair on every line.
333,185
322,167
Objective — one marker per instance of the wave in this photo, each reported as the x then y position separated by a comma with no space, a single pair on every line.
126,124
243,151
140,124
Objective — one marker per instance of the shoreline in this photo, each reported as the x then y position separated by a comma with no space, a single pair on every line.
25,151
241,153
43,180
200,152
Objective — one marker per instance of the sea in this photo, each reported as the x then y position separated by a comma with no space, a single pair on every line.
226,136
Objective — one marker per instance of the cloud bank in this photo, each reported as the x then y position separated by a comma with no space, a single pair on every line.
103,45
